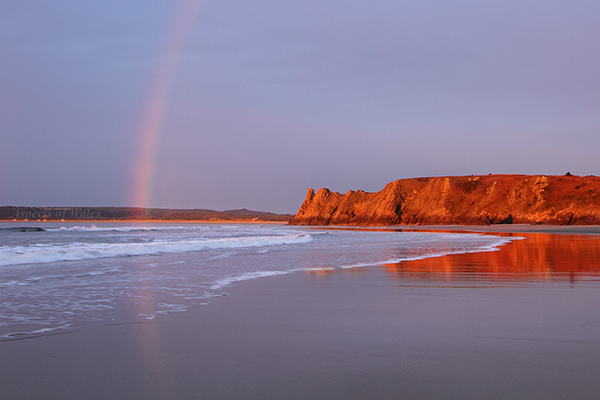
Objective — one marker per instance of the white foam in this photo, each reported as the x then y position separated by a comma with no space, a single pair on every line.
32,280
38,332
320,269
94,228
224,255
495,246
165,308
247,276
43,253
262,274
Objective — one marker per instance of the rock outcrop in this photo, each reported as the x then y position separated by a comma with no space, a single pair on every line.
487,199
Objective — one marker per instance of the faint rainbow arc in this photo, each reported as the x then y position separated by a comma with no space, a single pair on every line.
148,137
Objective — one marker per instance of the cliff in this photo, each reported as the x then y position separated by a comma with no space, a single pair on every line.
478,200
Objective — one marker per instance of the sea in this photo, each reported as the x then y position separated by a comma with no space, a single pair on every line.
53,276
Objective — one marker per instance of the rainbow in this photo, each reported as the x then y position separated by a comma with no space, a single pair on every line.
148,136
148,139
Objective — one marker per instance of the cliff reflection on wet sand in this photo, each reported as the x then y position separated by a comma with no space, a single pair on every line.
540,257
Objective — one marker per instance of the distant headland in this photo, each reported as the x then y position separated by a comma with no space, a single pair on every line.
462,200
10,213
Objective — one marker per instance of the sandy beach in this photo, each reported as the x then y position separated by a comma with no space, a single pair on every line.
519,323
510,228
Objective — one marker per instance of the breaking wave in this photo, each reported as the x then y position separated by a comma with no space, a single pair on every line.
48,253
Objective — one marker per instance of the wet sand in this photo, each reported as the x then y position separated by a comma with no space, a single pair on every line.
509,228
519,323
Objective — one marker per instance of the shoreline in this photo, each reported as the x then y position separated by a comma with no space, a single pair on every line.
508,228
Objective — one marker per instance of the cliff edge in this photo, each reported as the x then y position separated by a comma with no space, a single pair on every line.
464,200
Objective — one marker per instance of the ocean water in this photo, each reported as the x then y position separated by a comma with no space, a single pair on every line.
53,277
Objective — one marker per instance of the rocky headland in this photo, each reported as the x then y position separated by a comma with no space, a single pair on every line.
464,200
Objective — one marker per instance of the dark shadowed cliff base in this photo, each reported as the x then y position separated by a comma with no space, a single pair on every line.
461,200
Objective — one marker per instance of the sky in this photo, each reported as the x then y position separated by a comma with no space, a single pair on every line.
247,104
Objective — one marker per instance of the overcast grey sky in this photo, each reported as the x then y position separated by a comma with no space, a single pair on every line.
262,99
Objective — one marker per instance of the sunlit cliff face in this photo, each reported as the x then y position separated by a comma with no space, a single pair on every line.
539,257
463,200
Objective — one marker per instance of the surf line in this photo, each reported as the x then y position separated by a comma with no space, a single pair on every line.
156,102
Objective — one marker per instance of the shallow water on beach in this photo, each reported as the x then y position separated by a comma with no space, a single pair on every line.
53,275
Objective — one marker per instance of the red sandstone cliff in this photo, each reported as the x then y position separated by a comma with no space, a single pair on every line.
487,199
